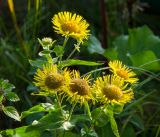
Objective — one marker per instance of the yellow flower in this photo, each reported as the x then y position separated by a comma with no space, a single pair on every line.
79,90
123,71
112,89
50,79
71,25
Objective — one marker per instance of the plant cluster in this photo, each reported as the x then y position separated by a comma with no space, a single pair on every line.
100,97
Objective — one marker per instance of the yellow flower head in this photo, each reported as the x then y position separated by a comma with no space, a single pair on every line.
112,89
123,71
79,89
71,25
50,79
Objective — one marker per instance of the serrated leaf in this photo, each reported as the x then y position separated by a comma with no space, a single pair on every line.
73,62
11,112
11,96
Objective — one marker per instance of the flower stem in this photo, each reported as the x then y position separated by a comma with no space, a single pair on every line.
59,104
74,50
71,111
104,68
70,55
88,110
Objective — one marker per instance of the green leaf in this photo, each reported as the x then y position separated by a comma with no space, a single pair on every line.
20,132
44,52
11,112
6,86
145,60
53,120
99,117
37,63
137,121
111,54
11,96
58,50
73,62
94,45
110,114
117,108
137,48
43,107
129,130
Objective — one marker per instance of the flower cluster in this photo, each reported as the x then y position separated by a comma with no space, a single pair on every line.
111,88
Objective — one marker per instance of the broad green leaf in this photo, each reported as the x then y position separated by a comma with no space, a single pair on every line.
141,39
43,107
20,132
58,50
38,63
53,120
70,134
146,60
11,96
111,54
117,108
11,112
94,45
72,62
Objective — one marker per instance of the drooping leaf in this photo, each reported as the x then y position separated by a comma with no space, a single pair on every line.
38,63
43,107
11,112
72,62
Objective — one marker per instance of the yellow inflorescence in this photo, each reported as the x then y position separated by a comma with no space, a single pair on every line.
112,89
71,25
50,79
123,71
79,89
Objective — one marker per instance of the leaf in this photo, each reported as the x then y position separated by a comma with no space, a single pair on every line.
137,48
73,62
99,117
94,45
44,52
20,132
11,96
37,63
58,50
43,107
109,113
53,120
111,54
11,112
137,121
145,60
129,130
6,86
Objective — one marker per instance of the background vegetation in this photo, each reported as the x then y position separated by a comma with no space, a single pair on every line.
122,29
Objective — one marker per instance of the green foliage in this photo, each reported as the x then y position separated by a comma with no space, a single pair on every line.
138,48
